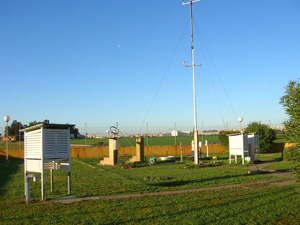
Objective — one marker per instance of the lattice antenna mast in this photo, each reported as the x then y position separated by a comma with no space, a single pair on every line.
196,156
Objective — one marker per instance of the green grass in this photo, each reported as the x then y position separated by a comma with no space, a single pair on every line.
107,180
268,205
276,205
151,141
282,166
271,156
11,144
281,140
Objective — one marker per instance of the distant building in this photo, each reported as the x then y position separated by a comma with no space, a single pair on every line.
210,132
163,134
91,136
180,133
280,128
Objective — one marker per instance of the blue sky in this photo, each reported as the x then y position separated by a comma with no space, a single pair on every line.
102,62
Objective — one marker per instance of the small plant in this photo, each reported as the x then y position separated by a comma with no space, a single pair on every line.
156,178
291,153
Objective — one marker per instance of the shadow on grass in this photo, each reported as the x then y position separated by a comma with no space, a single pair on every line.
268,161
185,182
262,200
8,170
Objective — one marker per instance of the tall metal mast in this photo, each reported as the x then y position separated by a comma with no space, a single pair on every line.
196,155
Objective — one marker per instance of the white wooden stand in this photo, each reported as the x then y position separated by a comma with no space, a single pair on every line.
47,146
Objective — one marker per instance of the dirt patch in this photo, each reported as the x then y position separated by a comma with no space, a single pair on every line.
255,186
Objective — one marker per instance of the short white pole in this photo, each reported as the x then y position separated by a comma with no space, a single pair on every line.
206,148
27,186
181,147
200,147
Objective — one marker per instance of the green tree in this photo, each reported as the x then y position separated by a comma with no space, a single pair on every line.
33,123
74,131
266,135
13,129
291,104
224,138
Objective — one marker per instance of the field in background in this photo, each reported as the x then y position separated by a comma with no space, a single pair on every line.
151,141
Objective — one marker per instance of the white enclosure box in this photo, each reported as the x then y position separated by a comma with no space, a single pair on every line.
47,146
238,145
244,145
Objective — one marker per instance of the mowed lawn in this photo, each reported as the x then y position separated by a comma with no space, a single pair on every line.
260,205
151,141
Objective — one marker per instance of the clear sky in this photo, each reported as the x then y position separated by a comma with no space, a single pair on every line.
102,62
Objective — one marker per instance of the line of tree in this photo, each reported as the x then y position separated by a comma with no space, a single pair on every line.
13,129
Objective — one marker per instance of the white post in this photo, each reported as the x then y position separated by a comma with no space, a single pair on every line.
27,186
69,172
6,119
85,135
51,179
181,147
69,182
147,135
200,147
206,148
7,142
42,165
175,133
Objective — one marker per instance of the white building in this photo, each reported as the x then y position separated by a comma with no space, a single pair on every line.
180,133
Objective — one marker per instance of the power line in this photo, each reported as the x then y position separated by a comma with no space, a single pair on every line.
163,77
217,73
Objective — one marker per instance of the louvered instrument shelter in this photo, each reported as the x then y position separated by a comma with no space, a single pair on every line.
47,147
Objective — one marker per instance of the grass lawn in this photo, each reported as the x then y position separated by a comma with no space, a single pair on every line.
271,205
153,141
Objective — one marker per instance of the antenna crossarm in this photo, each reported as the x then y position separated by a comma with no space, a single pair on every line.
190,2
191,65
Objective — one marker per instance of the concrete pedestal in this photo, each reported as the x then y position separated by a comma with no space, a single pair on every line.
139,156
114,146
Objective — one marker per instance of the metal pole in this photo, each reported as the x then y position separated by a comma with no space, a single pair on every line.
175,133
85,135
69,183
196,155
181,148
7,142
51,180
147,135
19,136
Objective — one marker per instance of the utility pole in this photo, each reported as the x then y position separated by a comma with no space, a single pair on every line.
176,133
147,135
85,135
196,153
6,119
